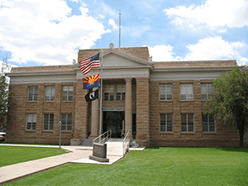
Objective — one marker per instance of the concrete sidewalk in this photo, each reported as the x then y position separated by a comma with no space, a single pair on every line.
77,154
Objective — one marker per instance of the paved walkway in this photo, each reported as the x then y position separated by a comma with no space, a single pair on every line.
77,154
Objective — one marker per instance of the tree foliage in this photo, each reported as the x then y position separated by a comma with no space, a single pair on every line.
230,99
4,100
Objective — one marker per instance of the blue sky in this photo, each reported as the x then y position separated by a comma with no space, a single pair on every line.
50,32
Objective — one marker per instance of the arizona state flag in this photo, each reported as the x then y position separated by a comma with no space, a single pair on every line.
91,82
92,96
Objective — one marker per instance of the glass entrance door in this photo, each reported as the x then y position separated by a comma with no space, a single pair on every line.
112,120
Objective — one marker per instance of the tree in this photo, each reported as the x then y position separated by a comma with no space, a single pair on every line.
4,100
230,99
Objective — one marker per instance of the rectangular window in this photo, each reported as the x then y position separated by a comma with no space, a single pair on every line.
109,92
120,92
166,123
208,123
66,122
48,121
186,91
49,93
67,93
187,122
165,91
31,121
206,90
33,93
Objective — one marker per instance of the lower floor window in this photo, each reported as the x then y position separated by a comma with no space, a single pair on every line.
187,122
208,123
166,124
48,121
31,122
66,121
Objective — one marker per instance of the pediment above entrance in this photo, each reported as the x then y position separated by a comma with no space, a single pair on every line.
114,60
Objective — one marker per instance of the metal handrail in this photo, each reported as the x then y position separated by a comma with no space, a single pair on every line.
101,137
126,141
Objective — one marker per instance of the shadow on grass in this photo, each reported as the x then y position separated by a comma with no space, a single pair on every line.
238,149
230,149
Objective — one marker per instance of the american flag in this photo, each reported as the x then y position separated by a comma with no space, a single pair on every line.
87,64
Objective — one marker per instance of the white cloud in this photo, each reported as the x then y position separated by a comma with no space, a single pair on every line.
215,48
162,53
34,31
213,13
112,23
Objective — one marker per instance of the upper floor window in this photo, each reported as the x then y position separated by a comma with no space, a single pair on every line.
67,93
33,93
49,93
120,92
109,92
187,122
208,123
66,121
186,91
165,91
206,90
48,121
31,121
166,123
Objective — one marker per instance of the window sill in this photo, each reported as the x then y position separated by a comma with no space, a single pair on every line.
66,131
166,100
209,133
163,132
32,101
49,101
188,133
187,100
47,131
64,101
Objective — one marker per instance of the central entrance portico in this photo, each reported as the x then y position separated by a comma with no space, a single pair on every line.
114,121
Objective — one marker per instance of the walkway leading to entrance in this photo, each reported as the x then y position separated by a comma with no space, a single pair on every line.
78,154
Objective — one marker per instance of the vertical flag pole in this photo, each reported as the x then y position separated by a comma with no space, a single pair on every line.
101,63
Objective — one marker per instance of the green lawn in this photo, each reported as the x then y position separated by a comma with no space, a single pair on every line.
11,155
155,166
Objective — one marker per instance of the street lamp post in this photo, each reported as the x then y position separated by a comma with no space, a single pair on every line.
60,134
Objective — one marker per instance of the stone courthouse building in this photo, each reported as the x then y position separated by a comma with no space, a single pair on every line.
159,103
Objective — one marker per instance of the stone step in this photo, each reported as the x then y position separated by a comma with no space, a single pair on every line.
87,142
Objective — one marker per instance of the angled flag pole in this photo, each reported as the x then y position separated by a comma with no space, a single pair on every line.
101,75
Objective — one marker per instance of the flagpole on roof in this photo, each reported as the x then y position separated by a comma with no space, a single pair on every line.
101,63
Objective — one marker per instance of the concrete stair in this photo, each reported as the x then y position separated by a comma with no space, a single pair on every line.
87,142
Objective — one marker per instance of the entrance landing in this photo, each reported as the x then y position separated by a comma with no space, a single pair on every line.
115,147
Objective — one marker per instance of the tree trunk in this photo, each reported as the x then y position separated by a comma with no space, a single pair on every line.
241,135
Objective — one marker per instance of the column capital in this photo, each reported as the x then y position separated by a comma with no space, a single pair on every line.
128,79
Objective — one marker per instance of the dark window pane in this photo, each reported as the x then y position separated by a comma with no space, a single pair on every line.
183,96
169,128
123,96
162,128
169,96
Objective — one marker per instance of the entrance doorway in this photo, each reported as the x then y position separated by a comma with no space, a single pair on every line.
112,120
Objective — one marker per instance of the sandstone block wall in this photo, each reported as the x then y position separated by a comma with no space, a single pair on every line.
16,127
225,135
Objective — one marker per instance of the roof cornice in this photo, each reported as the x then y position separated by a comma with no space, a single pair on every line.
42,73
173,69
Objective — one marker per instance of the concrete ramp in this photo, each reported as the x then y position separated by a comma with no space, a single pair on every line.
115,147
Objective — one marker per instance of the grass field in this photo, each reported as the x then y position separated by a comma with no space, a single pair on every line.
155,166
11,155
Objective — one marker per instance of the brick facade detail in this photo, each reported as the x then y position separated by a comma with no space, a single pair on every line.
225,135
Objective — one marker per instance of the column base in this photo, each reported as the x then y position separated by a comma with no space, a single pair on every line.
92,136
75,142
